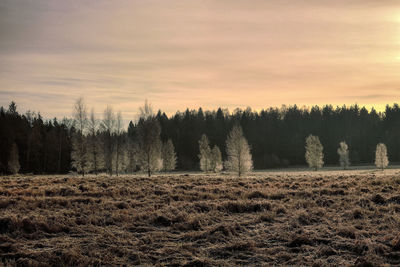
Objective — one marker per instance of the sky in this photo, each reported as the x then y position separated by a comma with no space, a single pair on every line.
182,54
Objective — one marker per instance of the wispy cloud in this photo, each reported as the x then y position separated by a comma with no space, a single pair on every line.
182,54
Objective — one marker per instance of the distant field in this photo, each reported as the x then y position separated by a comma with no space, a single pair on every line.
264,218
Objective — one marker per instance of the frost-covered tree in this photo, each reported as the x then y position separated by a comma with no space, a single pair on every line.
149,140
314,152
79,154
343,152
381,158
108,129
238,152
94,145
205,154
13,161
216,159
168,156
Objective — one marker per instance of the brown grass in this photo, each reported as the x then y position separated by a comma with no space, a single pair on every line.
298,218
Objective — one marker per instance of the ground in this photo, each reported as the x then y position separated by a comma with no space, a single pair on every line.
325,218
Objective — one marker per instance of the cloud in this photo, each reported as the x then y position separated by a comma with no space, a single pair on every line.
182,54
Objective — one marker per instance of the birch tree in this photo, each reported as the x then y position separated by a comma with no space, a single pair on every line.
205,154
94,144
168,156
13,161
132,148
343,152
119,151
149,140
79,154
108,129
381,158
314,152
238,152
131,153
216,159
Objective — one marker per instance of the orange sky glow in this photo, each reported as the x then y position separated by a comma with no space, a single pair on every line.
190,54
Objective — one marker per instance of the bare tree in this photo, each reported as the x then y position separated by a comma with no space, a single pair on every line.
119,151
131,153
216,159
108,129
381,158
168,156
13,161
343,152
205,154
149,140
79,143
95,155
314,152
238,152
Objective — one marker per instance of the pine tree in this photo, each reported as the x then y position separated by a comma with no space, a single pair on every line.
343,152
314,152
205,154
216,159
381,158
13,161
149,140
238,152
168,156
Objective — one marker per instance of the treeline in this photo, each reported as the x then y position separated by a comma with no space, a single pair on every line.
43,146
276,137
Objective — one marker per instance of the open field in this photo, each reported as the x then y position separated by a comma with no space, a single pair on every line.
265,218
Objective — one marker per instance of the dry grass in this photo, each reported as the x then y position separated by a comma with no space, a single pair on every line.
297,218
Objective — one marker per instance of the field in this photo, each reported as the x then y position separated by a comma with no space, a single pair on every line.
326,218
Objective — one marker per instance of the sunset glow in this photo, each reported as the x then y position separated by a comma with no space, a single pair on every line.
191,54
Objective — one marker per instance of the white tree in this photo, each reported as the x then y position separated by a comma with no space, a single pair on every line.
79,153
238,152
168,156
381,158
94,144
149,140
343,152
13,161
216,159
205,154
314,152
108,128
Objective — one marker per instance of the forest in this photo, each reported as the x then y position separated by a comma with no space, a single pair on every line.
276,136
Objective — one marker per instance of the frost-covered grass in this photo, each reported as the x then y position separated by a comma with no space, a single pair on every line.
263,218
